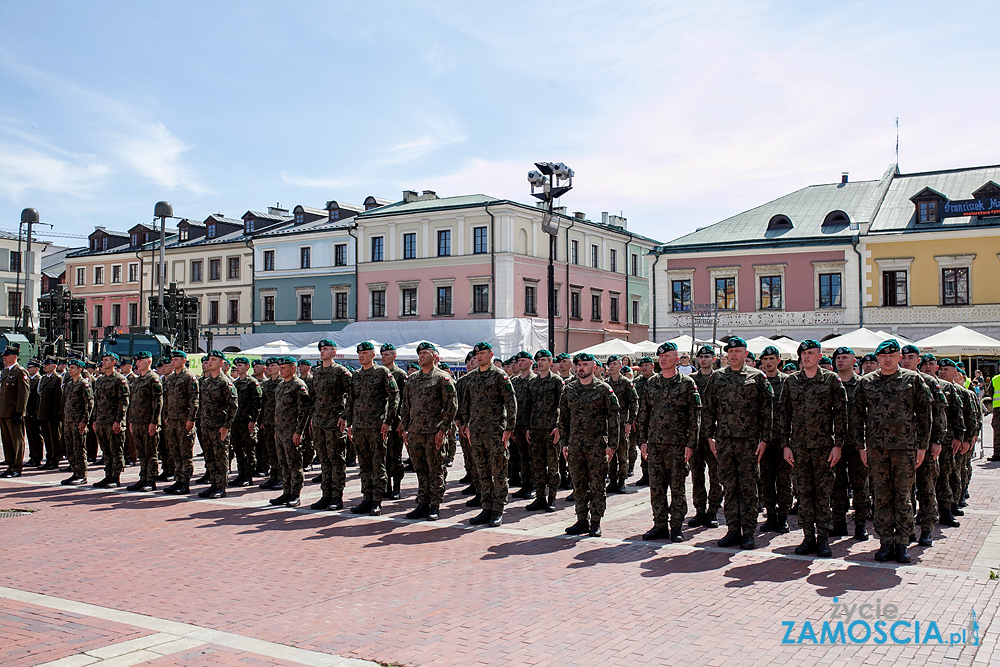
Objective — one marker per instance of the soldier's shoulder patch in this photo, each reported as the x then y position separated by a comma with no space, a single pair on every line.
697,398
450,386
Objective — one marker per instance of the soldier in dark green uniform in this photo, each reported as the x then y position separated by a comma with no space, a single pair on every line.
628,399
428,412
707,498
520,453
265,434
292,408
588,430
244,436
181,395
775,473
144,412
541,405
77,407
376,400
471,474
973,432
110,409
948,372
669,421
49,414
951,442
218,405
394,440
331,399
851,472
738,403
308,451
564,365
646,371
891,422
812,424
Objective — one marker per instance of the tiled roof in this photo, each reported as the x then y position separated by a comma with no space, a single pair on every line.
898,213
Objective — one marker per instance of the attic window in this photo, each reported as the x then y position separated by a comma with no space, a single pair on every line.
210,230
927,211
184,233
248,226
334,214
779,222
300,218
836,218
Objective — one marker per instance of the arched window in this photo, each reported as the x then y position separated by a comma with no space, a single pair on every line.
779,222
836,218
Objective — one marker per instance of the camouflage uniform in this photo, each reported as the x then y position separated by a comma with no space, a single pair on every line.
812,420
541,405
946,495
852,473
429,406
145,407
589,417
376,400
131,446
267,455
628,399
394,441
292,407
77,407
249,396
110,407
927,473
633,442
218,405
669,421
977,430
520,454
331,399
891,418
181,405
461,389
705,501
306,441
738,410
490,410
775,473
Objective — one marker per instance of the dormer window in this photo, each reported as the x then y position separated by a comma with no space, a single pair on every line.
928,203
334,214
300,218
135,240
210,230
184,233
248,226
779,222
836,218
927,211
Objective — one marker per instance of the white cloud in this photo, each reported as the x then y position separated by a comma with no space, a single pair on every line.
23,169
439,61
156,153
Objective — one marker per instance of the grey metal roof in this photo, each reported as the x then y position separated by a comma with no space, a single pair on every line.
267,216
400,207
898,213
307,228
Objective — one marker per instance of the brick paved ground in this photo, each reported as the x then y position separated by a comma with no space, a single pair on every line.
238,582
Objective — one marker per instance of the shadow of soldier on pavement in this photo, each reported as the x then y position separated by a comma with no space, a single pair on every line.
777,570
686,562
835,583
618,553
533,547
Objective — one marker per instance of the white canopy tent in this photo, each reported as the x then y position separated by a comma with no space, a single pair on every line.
408,352
343,352
960,341
787,348
613,346
862,341
272,349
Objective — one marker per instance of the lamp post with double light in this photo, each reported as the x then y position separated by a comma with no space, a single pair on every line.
551,181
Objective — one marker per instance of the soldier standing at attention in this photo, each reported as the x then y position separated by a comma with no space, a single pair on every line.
589,429
125,367
564,364
292,407
628,400
489,415
244,436
258,370
775,473
520,454
851,472
308,451
394,440
77,406
110,408
811,426
541,403
49,414
13,402
181,394
217,408
645,373
144,409
738,402
36,446
331,399
706,501
427,415
869,364
163,370
952,442
269,464
471,474
376,399
948,371
669,421
891,423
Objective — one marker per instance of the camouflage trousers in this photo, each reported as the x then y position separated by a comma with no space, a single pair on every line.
927,475
588,468
813,483
851,473
633,450
892,476
468,461
180,444
216,455
394,455
520,457
965,469
960,474
245,447
163,452
739,474
450,446
76,449
491,459
544,461
331,448
307,449
775,481
618,466
371,459
112,448
145,449
267,444
667,471
289,461
946,469
709,500
429,464
261,454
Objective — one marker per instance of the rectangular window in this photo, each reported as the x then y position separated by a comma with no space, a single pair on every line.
725,293
269,260
480,240
81,277
635,312
210,230
481,298
98,315
928,211
410,301
955,284
98,275
555,299
15,261
158,273
305,257
635,264
530,300
444,242
377,249
595,307
340,306
234,311
248,226
215,269
410,245
133,273
680,296
614,261
116,315
213,312
595,256
13,304
135,240
116,274
574,306
613,309
770,292
268,309
133,314
443,301
894,288
233,268
378,303
829,290
196,276
184,233
574,252
305,307
340,254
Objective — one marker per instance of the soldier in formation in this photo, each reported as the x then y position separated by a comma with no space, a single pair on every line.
13,404
77,409
217,406
292,409
628,400
394,439
180,398
541,408
520,454
268,463
144,412
371,415
704,464
244,436
331,400
111,394
775,472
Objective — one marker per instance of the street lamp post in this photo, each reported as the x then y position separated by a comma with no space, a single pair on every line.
552,180
162,210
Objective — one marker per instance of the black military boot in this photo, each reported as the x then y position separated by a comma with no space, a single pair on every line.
217,492
885,552
481,518
496,518
795,509
433,513
823,547
676,534
565,484
183,489
595,529
524,494
579,528
769,523
839,527
538,503
364,507
204,479
711,520
748,542
72,480
165,477
470,490
643,481
612,486
336,502
474,501
955,510
420,512
205,493
947,519
395,492
781,523
148,486
322,504
925,538
280,500
466,479
103,484
135,487
376,509
267,483
732,538
571,497
697,520
318,479
656,533
860,534
550,505
620,489
902,554
293,501
808,545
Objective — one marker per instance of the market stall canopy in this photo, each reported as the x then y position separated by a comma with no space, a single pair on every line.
960,341
787,347
449,355
614,346
343,351
862,341
272,349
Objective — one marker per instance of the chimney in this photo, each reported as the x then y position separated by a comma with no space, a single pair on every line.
277,210
409,196
579,215
559,210
843,176
604,217
429,194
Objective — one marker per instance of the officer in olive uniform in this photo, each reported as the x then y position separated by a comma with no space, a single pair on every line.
707,501
33,432
394,440
851,472
218,404
77,408
331,399
520,454
111,396
244,436
628,399
144,411
49,414
948,371
541,408
775,473
308,451
265,436
181,397
371,414
292,408
471,474
13,403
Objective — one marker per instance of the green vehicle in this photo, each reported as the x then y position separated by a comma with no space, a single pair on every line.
127,345
20,341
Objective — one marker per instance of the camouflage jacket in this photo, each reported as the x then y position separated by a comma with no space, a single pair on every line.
376,398
331,394
956,419
738,404
589,415
430,402
292,406
971,417
77,402
250,397
851,387
110,398
520,385
776,383
267,390
670,411
462,391
628,398
491,404
811,412
701,380
939,421
541,402
180,396
399,375
218,403
145,403
891,411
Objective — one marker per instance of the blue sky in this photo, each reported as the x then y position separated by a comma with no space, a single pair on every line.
676,114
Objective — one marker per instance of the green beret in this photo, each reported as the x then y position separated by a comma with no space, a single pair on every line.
613,357
217,354
750,356
543,354
887,346
388,347
522,355
164,361
178,353
443,366
241,360
205,358
666,347
143,355
960,366
479,347
365,346
734,342
76,362
598,362
470,356
326,342
841,350
770,351
562,356
706,349
943,363
826,360
910,349
258,361
271,360
789,368
281,361
869,357
421,347
305,362
645,360
109,354
809,344
927,357
583,356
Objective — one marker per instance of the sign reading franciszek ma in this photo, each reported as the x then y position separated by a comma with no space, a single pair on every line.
963,207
